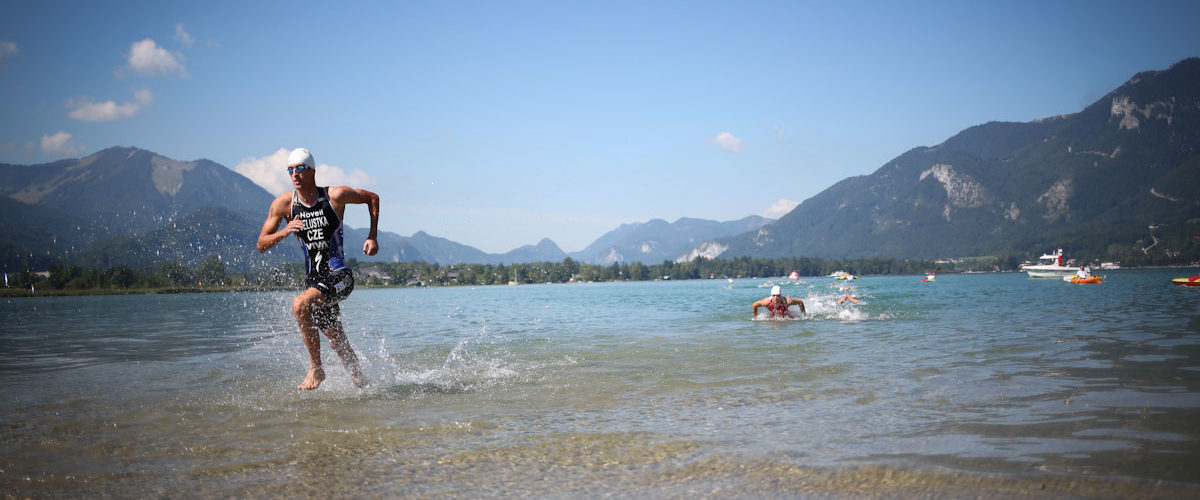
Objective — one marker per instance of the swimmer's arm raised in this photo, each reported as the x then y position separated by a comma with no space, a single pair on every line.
761,303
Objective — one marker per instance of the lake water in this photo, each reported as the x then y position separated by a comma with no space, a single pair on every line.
989,385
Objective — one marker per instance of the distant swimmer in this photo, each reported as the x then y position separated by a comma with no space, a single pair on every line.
314,214
778,304
847,297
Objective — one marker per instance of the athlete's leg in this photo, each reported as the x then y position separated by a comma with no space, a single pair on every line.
303,307
341,345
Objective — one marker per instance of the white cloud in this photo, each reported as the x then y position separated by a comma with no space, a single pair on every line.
6,49
183,37
270,172
147,58
89,111
728,142
59,143
780,208
329,175
267,171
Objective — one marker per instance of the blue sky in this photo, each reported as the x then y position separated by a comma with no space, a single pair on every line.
496,124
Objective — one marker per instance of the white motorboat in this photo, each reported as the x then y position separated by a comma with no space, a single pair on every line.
1049,265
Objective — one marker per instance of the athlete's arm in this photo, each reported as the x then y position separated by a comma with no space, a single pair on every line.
799,303
761,303
345,195
269,237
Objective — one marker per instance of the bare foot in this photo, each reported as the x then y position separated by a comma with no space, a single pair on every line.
316,375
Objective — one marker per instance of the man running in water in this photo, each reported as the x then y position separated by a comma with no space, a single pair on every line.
314,214
777,304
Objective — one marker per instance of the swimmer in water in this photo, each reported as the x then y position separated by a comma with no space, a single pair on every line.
847,297
778,304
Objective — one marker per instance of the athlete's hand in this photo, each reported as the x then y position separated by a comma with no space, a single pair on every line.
370,247
293,226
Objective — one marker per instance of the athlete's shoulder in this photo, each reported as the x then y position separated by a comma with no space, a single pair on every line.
282,202
334,192
337,191
347,194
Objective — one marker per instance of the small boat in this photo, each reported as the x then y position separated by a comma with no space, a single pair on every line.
929,278
1077,279
1049,266
1193,281
842,275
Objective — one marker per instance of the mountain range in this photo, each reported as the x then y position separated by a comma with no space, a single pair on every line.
121,206
1112,179
1121,175
132,207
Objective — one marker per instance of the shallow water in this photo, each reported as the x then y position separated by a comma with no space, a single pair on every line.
994,386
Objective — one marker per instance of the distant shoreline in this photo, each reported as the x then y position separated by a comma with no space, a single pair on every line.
70,292
7,293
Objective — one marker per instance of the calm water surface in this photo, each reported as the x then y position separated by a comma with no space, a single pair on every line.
993,386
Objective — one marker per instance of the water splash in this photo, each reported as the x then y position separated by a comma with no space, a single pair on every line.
477,361
835,306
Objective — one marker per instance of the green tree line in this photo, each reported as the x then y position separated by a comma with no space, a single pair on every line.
211,273
570,270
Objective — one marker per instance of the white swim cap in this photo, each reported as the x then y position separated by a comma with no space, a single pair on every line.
775,290
301,156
